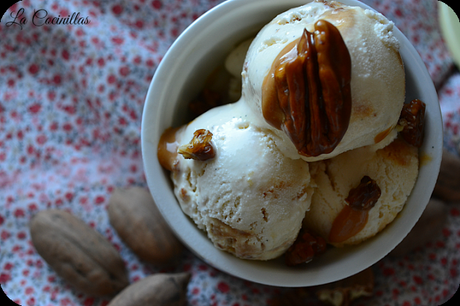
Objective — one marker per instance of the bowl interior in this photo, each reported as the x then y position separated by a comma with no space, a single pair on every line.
180,77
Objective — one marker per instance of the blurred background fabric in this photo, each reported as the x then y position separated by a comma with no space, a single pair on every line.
71,101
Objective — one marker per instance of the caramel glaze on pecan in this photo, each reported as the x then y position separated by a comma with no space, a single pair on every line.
412,120
307,246
365,195
307,92
200,147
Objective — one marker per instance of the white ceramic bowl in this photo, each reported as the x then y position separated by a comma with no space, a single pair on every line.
180,76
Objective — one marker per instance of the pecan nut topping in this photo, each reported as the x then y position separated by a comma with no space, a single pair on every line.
199,148
312,94
307,246
365,195
412,120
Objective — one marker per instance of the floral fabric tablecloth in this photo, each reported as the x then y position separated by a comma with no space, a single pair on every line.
73,79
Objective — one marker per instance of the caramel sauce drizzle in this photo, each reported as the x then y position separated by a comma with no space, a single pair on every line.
167,148
348,223
353,217
381,136
307,91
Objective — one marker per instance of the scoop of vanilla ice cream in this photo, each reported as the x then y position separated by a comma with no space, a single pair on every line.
250,198
377,81
394,168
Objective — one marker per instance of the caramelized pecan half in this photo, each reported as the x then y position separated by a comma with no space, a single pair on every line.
305,248
412,120
365,195
199,148
313,95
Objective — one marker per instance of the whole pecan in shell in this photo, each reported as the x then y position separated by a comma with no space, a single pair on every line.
137,220
161,289
78,253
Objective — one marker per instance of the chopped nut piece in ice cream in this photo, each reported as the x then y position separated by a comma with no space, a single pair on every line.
199,148
365,195
412,121
307,246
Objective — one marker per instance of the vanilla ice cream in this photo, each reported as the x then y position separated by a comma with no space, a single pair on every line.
249,198
377,72
394,168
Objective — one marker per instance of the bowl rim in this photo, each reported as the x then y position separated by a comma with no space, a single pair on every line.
260,272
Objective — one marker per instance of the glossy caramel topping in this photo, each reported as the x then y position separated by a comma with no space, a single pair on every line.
381,136
200,147
271,109
398,152
348,223
353,217
167,148
307,91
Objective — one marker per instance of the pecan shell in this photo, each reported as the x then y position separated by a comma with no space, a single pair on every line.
78,253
